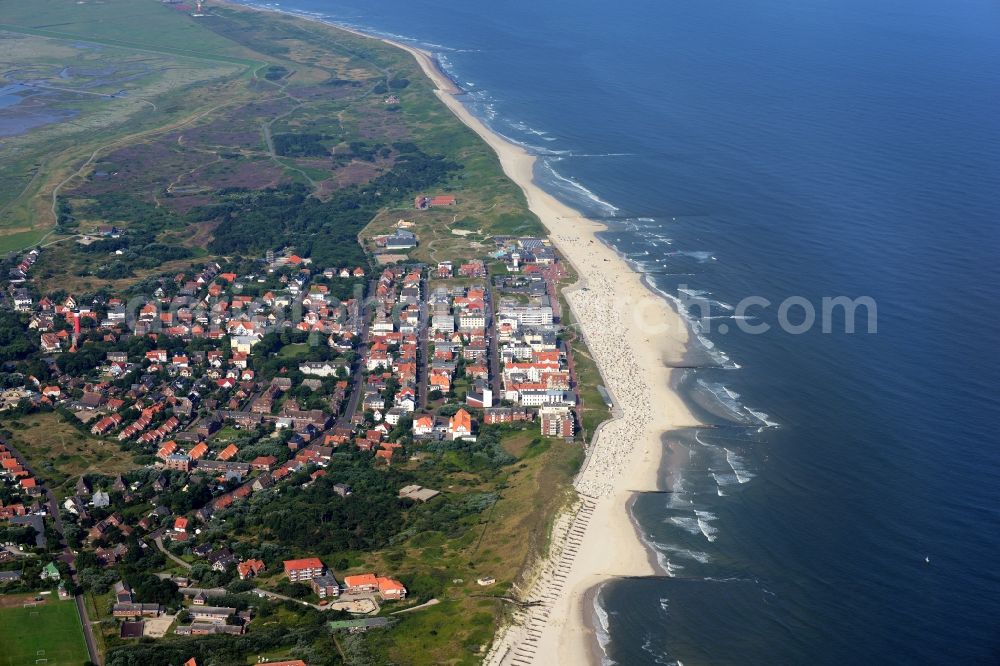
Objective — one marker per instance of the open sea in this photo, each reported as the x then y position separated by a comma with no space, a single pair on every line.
845,508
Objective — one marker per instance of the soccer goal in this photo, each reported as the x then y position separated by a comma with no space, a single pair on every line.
41,661
29,604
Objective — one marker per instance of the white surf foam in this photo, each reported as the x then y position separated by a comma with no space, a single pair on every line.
670,567
601,627
724,396
704,525
578,189
660,659
764,418
696,555
724,479
739,469
687,523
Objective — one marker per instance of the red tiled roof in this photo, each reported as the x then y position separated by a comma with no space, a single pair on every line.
360,579
228,452
461,420
389,585
304,563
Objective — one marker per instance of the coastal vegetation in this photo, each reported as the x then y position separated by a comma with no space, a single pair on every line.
280,135
62,451
276,113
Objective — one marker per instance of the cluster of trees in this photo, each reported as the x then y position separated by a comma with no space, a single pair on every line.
65,220
486,454
135,568
317,519
301,145
31,569
395,83
227,650
151,589
314,518
343,289
15,343
84,360
254,221
21,534
138,244
361,150
275,72
183,500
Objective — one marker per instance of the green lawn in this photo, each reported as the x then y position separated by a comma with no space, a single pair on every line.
48,631
148,26
294,350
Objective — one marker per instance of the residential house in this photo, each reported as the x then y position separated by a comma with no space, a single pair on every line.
250,568
423,425
460,425
221,559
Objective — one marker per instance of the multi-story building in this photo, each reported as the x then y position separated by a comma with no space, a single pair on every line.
526,315
556,421
303,569
325,586
178,462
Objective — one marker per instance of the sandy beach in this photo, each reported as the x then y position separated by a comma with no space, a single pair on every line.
630,331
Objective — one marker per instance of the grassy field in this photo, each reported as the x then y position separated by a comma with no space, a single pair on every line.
59,453
148,50
509,536
218,132
149,26
50,631
196,109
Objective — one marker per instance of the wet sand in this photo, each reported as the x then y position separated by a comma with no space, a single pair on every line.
630,331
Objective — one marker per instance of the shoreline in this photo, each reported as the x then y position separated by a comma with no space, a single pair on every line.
612,545
618,314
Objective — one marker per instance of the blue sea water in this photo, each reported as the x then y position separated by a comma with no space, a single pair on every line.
846,508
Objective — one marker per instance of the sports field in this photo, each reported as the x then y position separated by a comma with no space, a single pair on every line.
49,633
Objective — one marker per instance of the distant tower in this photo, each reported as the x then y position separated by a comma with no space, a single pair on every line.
76,330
